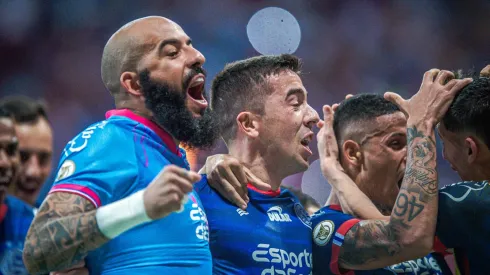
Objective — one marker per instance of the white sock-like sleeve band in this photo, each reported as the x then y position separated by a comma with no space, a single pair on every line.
122,215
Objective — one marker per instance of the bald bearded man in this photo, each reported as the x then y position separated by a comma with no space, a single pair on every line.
111,203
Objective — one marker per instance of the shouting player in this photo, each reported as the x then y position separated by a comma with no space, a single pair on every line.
15,215
266,123
111,201
465,134
407,235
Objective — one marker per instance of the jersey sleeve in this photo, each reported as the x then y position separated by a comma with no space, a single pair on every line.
99,164
329,229
463,207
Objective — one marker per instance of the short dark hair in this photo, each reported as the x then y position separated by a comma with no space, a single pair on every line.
360,108
24,109
470,110
242,86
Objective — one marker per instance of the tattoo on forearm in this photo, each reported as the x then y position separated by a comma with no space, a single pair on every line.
372,238
65,230
421,166
370,241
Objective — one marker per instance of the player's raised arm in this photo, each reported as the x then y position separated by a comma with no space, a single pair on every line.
409,233
345,191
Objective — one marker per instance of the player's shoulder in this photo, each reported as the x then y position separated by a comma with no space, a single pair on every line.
329,213
101,136
19,208
465,186
465,190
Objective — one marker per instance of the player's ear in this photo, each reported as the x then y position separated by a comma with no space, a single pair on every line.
352,153
130,82
471,149
248,123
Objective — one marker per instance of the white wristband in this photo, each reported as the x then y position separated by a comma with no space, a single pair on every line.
122,215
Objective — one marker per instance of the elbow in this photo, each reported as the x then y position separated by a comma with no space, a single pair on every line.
420,244
33,260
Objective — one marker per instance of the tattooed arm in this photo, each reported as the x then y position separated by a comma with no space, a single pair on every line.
62,233
410,231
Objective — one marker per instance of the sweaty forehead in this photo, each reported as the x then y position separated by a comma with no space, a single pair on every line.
378,128
283,82
386,125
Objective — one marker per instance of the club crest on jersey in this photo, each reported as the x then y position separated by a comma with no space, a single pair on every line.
302,214
67,169
323,232
275,215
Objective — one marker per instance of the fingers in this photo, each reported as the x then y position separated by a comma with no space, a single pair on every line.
328,114
348,96
430,75
320,124
460,84
397,100
335,107
183,173
443,77
226,189
241,179
255,181
230,176
486,71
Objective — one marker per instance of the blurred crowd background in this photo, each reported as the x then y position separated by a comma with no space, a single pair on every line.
51,50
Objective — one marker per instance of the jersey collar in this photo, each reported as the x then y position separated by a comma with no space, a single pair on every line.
271,193
336,207
166,137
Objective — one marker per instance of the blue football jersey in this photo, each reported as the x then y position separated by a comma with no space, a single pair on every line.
463,225
15,218
330,226
115,158
273,236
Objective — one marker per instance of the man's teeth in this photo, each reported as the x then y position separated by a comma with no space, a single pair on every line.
198,81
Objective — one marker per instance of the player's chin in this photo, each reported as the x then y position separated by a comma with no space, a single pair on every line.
303,163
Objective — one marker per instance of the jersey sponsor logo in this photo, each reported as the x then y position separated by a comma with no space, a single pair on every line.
275,215
80,142
423,266
283,262
323,232
465,188
302,215
241,212
198,215
67,169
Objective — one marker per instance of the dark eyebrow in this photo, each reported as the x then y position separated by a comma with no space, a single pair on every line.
296,91
172,41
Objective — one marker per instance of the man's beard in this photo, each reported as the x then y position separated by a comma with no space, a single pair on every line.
169,110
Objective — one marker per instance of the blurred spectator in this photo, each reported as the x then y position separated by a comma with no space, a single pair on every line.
35,145
52,49
15,215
